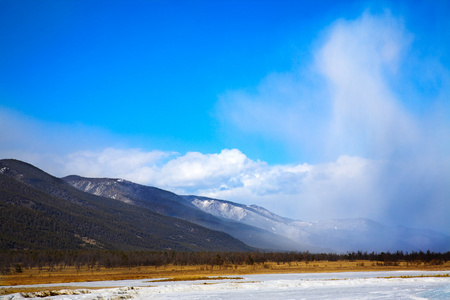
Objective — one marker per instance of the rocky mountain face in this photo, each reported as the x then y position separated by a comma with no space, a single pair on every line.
39,211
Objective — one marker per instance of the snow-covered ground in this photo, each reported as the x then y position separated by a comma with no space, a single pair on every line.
349,285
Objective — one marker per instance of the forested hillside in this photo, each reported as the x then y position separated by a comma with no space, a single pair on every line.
40,211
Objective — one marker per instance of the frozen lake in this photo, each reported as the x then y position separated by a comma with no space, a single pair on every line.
349,285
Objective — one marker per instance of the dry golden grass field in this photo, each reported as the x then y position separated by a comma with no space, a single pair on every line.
172,272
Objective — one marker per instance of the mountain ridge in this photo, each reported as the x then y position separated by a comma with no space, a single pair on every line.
106,223
113,213
288,234
168,203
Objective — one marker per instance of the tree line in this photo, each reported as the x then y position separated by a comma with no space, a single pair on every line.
17,260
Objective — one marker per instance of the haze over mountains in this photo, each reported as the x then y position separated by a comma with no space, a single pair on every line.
119,214
339,235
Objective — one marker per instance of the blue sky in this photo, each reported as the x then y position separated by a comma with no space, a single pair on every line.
313,109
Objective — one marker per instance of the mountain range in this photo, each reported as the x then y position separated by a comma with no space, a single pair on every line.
78,212
40,211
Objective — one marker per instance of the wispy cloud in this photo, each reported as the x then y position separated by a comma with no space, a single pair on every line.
357,61
340,103
46,144
346,110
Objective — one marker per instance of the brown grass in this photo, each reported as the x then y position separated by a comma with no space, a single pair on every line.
418,276
71,274
194,278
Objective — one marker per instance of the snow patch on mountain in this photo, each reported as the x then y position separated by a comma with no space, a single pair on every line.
254,216
261,228
221,209
340,235
107,188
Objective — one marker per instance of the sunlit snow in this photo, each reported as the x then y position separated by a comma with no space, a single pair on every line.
349,285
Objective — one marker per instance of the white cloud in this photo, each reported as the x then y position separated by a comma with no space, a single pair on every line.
231,175
133,164
196,169
310,191
191,172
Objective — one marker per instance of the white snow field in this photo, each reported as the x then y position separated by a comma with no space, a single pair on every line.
349,285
